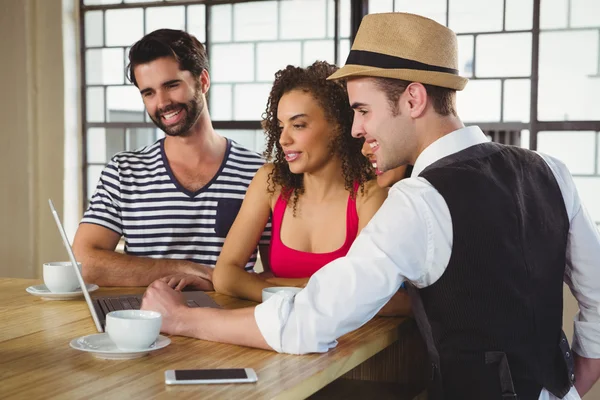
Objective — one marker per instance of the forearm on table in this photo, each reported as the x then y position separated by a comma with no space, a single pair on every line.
109,268
235,281
298,282
224,326
587,373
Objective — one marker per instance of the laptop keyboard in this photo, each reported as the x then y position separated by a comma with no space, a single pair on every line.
127,303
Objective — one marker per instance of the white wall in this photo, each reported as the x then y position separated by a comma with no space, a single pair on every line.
32,134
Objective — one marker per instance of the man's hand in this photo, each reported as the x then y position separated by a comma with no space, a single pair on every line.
170,303
180,281
587,372
200,270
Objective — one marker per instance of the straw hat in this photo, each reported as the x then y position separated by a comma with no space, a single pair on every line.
404,46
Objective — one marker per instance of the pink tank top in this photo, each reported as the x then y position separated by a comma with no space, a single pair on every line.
290,263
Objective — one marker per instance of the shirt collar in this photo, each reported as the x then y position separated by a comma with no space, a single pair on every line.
448,144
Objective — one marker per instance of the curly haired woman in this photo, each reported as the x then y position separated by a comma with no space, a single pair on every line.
318,188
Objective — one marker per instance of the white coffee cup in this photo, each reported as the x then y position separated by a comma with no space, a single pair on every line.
270,291
133,330
60,277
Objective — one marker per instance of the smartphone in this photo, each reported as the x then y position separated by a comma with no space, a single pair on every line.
200,376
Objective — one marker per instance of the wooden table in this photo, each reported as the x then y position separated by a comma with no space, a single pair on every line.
36,360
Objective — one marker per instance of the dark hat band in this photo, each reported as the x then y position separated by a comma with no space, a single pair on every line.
378,60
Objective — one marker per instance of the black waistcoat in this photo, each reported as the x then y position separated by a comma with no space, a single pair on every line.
494,318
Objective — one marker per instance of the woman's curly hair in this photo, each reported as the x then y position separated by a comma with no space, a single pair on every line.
333,99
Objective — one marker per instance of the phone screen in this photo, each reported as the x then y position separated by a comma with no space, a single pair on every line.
210,374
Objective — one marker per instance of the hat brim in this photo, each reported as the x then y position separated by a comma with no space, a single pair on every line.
435,78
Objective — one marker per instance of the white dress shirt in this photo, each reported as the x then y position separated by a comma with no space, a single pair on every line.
410,238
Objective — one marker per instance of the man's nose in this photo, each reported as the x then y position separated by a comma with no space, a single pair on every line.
163,100
357,129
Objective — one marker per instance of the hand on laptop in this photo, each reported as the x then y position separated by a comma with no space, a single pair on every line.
181,281
170,303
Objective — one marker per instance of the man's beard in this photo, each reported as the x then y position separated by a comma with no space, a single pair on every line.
192,109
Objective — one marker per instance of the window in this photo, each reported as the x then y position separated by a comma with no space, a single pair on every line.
247,43
496,40
534,67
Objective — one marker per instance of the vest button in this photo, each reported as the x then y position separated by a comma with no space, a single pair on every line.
567,354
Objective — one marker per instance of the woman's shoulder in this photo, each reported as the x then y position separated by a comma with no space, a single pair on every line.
371,193
264,179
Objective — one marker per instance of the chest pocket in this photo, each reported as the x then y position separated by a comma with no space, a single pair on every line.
227,210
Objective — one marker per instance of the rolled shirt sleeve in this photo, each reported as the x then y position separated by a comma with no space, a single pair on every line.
582,272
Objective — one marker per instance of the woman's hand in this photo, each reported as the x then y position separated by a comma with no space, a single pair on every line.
181,281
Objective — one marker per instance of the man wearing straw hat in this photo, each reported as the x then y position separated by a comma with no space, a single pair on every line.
485,234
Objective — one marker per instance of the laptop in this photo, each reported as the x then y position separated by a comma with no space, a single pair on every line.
100,306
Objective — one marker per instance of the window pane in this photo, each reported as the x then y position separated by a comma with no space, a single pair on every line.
255,21
221,102
330,18
252,140
136,138
95,2
95,104
317,50
585,13
344,18
503,55
525,134
480,101
302,19
115,141
94,28
519,14
476,15
465,55
434,9
250,101
220,23
104,67
124,104
275,56
232,62
381,6
172,17
553,14
575,148
196,19
516,100
343,50
568,88
96,145
93,176
103,143
124,27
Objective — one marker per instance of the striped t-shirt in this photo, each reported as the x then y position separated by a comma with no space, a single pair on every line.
139,198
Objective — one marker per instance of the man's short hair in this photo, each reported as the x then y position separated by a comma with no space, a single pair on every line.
442,98
183,47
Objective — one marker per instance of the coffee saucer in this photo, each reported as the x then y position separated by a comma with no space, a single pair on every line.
43,292
100,345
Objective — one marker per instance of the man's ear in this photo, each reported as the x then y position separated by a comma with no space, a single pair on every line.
204,81
417,99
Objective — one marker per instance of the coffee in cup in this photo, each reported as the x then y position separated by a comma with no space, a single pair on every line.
133,330
60,277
